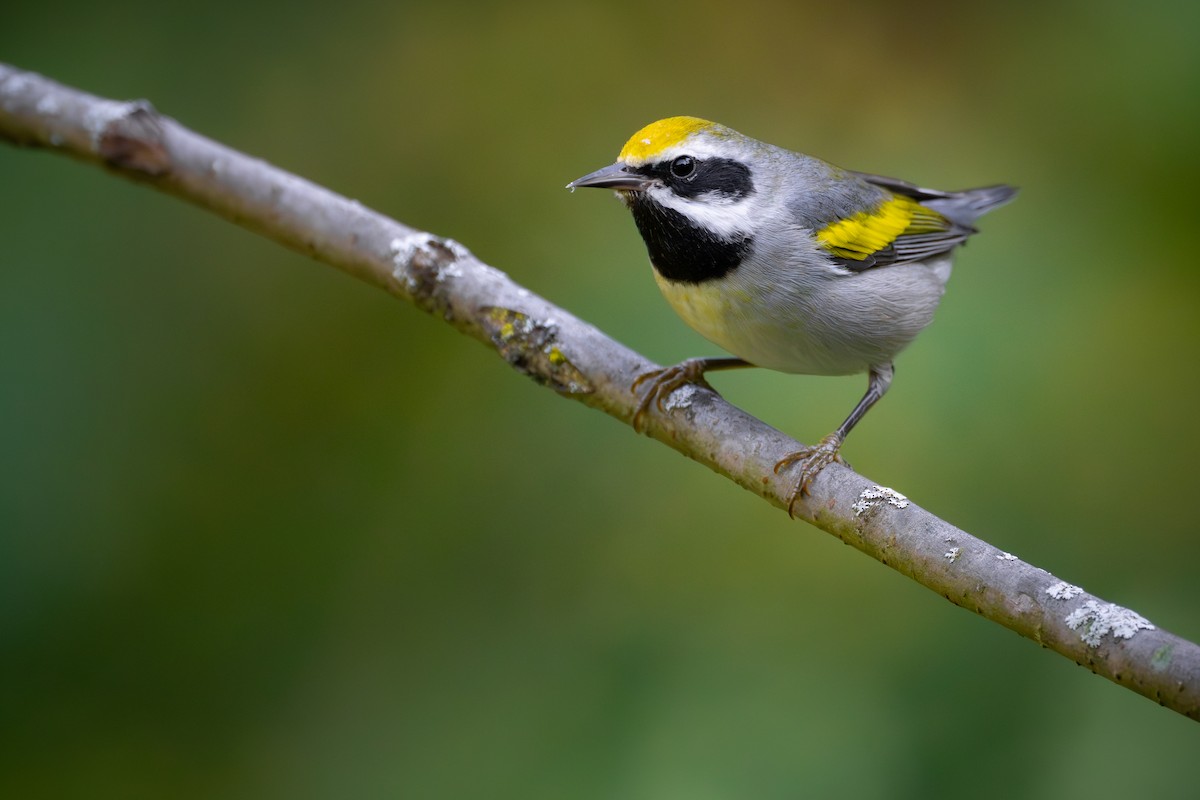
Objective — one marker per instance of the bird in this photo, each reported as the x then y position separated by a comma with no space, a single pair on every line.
786,261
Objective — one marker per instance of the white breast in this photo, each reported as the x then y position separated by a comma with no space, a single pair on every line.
811,321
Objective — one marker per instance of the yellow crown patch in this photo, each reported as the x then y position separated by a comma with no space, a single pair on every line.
658,136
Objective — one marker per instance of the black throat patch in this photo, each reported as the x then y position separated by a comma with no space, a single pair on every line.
681,251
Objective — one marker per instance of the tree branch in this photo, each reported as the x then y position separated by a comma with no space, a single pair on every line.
578,361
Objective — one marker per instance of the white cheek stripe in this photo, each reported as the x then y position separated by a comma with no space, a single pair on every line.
725,216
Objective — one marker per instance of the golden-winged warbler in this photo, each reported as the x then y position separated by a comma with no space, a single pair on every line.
786,261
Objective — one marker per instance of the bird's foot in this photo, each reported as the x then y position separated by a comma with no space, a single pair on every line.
815,459
662,383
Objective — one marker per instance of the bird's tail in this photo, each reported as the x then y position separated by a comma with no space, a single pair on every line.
963,207
970,204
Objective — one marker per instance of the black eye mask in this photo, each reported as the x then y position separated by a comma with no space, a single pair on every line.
691,177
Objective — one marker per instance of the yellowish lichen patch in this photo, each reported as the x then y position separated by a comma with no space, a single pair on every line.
531,346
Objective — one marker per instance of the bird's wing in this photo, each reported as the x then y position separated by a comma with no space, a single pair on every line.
903,187
896,230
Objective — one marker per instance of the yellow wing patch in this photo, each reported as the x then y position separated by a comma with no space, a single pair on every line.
867,232
658,136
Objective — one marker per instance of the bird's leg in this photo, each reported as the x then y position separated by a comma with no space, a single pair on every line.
817,458
665,381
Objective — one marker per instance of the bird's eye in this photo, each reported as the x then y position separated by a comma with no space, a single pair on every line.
683,167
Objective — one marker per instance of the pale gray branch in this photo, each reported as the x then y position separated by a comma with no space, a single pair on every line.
575,359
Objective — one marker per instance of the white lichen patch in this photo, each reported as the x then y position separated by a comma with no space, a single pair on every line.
404,248
877,495
102,114
1099,620
48,105
1007,557
15,85
451,270
680,398
1064,591
16,82
456,248
952,554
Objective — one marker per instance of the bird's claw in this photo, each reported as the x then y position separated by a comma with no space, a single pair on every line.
662,383
815,459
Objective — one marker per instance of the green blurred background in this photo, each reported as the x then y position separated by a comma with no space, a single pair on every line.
266,532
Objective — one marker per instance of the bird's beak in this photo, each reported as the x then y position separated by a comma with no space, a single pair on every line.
616,176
